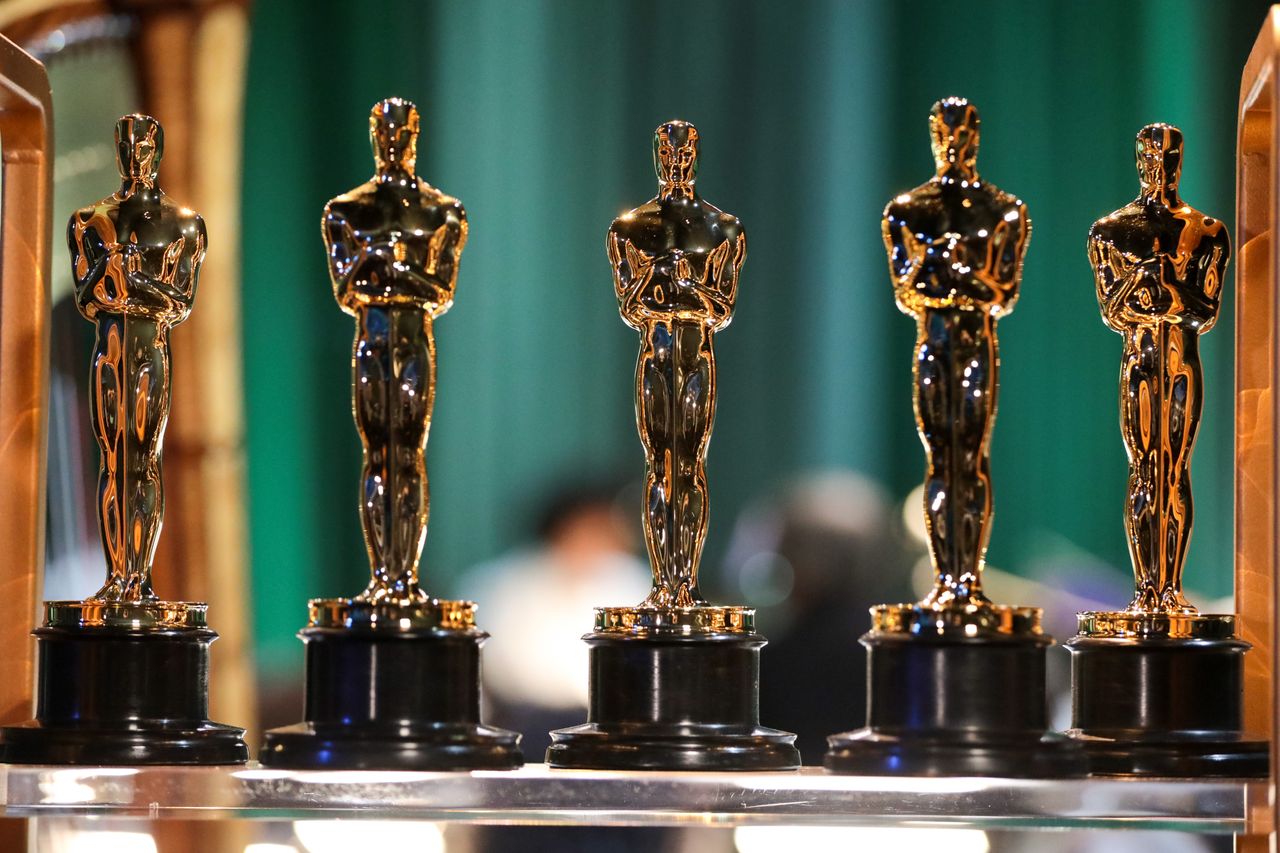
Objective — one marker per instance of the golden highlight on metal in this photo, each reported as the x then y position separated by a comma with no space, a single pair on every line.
702,619
676,261
955,246
135,257
969,620
1159,266
349,613
393,245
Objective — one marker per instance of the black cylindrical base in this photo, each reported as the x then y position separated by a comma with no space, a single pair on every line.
392,700
123,696
1162,707
944,706
674,703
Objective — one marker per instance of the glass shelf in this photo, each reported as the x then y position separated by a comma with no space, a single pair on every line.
540,795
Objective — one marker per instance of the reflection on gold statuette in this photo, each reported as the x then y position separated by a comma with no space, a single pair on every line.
955,246
393,245
676,261
136,256
1159,266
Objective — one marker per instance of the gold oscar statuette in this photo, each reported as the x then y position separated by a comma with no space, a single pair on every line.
1159,266
393,674
955,246
955,682
393,245
675,680
136,256
1156,688
676,262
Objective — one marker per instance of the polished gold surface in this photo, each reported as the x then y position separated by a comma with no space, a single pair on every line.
675,261
393,244
1159,266
1127,624
703,619
135,258
430,613
26,191
955,246
1257,527
124,614
968,620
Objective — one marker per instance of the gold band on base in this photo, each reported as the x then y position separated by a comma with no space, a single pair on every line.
433,613
970,620
1129,624
156,614
705,619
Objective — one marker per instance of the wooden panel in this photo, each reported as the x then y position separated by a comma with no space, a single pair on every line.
1256,371
26,181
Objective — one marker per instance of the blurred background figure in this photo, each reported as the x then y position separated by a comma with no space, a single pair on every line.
536,601
813,560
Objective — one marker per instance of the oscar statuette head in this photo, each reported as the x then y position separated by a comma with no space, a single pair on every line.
675,157
954,129
1159,155
139,147
393,130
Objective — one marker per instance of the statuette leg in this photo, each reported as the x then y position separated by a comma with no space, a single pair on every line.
130,408
394,367
675,379
956,362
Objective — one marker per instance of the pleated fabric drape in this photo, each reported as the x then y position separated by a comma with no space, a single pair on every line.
538,115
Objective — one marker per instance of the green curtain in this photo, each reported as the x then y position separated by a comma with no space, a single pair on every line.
538,115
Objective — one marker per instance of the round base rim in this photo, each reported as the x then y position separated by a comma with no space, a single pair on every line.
1134,625
1217,758
591,747
446,747
956,621
391,616
644,620
865,752
151,614
205,743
